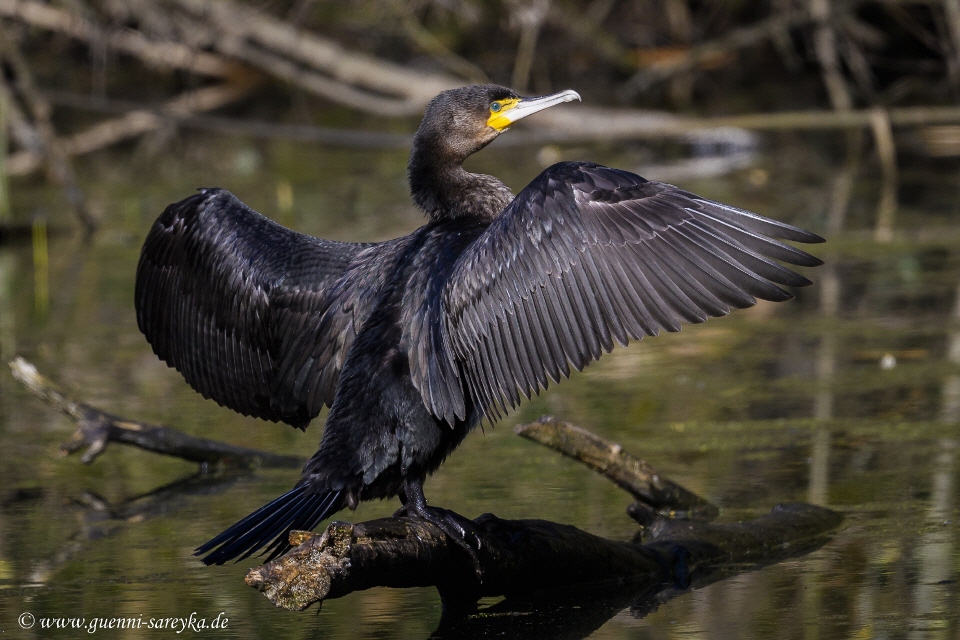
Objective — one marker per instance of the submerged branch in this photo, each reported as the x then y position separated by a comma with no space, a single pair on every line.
652,490
96,429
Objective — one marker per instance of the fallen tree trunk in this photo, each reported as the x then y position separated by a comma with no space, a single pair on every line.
533,559
528,559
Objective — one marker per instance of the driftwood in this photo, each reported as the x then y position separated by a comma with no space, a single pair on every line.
96,429
656,495
527,560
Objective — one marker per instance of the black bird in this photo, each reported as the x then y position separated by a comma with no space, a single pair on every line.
413,342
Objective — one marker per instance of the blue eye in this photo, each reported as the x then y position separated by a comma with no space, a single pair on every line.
495,106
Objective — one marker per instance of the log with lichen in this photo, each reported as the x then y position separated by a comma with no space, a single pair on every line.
524,559
529,558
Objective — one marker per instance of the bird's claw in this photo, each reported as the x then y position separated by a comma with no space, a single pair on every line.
458,529
467,531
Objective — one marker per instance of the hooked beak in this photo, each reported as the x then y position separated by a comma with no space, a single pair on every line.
514,110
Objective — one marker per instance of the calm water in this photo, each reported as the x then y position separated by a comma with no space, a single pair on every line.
848,396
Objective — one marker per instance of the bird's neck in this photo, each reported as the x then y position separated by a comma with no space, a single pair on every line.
448,191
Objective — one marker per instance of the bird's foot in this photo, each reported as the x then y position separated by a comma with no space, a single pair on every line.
460,530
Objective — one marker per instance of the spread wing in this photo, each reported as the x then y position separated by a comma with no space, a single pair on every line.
586,256
255,316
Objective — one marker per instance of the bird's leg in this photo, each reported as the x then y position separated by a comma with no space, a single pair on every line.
459,529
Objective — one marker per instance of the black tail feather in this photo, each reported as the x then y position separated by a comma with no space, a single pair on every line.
271,524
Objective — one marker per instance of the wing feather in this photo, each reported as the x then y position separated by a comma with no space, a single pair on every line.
248,311
588,256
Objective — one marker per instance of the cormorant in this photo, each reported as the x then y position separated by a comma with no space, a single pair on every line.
413,342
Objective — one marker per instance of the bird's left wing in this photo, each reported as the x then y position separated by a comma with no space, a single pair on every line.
255,316
586,256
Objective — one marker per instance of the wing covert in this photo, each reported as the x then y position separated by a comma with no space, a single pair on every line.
587,256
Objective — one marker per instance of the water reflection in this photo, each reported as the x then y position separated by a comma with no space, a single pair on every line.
950,404
780,403
936,578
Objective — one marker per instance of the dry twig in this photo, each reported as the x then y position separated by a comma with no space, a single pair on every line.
52,153
168,55
134,123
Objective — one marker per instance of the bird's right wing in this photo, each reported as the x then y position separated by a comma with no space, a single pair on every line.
255,316
586,256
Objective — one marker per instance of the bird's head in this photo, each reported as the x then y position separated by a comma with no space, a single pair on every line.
462,121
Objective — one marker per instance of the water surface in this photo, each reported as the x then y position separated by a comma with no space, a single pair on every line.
848,396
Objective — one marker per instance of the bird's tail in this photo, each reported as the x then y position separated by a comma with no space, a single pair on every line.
297,509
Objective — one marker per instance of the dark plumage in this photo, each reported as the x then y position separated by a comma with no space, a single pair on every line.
413,341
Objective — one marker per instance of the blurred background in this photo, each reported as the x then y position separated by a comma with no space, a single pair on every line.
841,117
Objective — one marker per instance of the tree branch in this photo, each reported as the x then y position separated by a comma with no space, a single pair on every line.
529,559
96,429
136,122
522,560
170,55
656,494
526,559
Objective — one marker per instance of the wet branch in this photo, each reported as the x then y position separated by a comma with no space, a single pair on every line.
656,495
518,557
529,559
96,429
